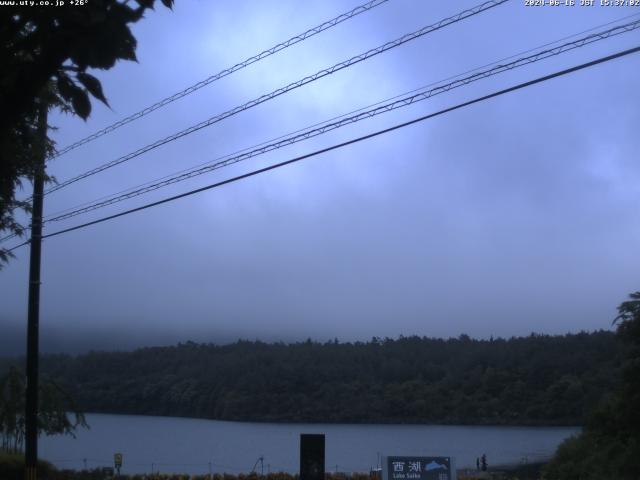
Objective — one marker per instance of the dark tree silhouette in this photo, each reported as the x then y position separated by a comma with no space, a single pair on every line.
46,54
58,413
609,446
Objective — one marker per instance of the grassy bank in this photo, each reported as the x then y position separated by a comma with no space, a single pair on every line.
532,471
11,468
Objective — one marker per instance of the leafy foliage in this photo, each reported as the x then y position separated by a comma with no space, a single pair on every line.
609,447
45,54
53,416
535,380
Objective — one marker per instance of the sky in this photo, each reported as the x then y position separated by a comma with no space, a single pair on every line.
511,216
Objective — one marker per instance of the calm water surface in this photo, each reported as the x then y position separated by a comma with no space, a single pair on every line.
168,444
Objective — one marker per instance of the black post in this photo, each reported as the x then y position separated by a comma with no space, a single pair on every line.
33,319
312,457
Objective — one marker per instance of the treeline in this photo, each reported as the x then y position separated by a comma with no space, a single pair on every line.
535,380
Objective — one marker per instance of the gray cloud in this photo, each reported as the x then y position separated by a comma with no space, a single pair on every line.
516,215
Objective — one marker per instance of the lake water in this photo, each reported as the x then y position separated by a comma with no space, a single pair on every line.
168,444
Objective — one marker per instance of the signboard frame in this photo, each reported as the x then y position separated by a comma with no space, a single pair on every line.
424,459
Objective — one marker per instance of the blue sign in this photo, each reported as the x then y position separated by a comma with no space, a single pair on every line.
419,468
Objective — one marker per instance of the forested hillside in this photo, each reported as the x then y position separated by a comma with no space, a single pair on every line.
535,380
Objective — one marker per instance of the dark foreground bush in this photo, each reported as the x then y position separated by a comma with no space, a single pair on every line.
589,457
12,468
609,446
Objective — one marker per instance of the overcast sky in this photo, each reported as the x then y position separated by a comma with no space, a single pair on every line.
515,215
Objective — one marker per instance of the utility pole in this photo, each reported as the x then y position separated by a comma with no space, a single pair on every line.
33,315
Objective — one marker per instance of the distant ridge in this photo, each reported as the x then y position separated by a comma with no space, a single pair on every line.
534,380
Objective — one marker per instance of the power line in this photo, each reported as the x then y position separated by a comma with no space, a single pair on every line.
310,133
292,86
11,235
504,59
349,142
9,250
130,189
228,71
26,228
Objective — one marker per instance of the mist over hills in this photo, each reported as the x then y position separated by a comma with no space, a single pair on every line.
83,337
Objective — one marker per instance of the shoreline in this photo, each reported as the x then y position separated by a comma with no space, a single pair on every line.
354,423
